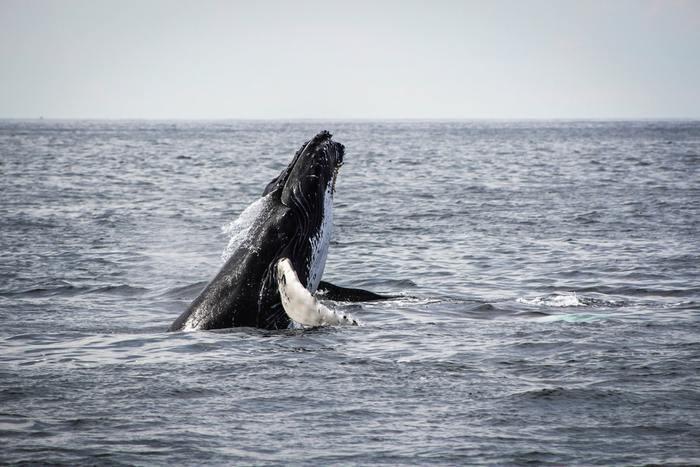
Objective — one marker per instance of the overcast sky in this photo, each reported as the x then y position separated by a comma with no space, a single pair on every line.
350,59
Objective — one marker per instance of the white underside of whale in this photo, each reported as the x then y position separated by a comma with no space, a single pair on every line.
320,242
302,307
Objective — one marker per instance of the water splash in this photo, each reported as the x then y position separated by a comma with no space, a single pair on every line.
567,299
570,299
238,230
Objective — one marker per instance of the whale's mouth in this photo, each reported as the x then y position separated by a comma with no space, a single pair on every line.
317,161
318,157
335,176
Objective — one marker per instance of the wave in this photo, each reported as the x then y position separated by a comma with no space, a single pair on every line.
121,290
391,283
569,299
569,394
570,318
639,291
70,290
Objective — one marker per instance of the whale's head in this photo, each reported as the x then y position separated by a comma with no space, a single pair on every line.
310,178
306,188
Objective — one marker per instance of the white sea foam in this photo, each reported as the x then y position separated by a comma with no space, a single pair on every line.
238,229
571,318
571,299
566,299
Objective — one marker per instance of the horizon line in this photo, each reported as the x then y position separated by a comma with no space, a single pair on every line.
357,119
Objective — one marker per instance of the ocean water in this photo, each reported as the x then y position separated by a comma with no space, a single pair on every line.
548,275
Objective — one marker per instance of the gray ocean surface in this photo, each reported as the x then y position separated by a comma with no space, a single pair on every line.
548,273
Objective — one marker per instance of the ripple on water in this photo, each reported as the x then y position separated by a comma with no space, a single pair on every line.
547,308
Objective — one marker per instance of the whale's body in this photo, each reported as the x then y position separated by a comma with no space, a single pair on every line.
294,222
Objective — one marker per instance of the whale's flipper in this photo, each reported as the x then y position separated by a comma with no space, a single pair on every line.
345,294
298,302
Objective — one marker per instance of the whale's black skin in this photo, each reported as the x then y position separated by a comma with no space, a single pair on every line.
244,292
345,294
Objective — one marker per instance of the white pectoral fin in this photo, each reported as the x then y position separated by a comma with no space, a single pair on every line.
300,305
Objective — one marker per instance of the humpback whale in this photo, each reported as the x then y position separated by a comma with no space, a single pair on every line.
285,250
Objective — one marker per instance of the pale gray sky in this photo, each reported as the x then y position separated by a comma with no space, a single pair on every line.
351,59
